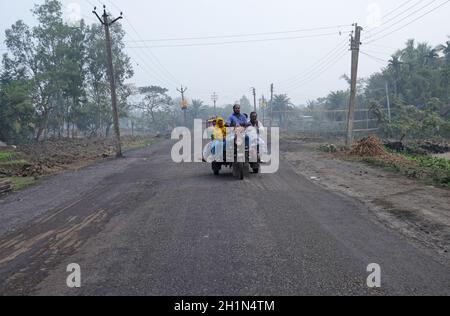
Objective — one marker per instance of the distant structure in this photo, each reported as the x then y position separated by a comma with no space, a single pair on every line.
446,111
2,144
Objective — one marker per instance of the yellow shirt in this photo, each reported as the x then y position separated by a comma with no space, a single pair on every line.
220,133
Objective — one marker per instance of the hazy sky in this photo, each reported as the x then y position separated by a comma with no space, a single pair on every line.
232,69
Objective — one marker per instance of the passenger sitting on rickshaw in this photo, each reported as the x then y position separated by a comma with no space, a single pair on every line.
220,130
210,124
219,137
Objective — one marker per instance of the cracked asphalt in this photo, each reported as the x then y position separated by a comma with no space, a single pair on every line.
144,225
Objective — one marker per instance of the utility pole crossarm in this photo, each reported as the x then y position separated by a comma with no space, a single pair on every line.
98,17
117,19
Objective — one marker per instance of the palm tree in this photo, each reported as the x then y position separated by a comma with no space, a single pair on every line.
281,103
409,53
432,57
197,109
395,65
445,48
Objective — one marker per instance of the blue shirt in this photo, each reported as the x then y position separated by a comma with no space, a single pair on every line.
238,119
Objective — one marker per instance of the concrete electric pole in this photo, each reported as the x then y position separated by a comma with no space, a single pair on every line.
355,42
105,22
214,98
183,103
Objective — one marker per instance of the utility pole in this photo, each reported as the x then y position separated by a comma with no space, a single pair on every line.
271,104
263,106
105,22
215,97
254,98
183,103
388,102
355,42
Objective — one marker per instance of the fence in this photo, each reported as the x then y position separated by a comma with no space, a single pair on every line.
322,122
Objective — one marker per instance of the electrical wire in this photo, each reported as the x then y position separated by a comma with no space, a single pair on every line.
164,71
237,42
317,75
160,73
384,61
409,23
318,64
240,35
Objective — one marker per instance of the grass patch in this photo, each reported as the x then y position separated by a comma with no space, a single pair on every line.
13,165
20,183
432,170
139,143
6,156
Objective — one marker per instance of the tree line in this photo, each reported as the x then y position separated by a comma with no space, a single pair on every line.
54,83
53,78
416,82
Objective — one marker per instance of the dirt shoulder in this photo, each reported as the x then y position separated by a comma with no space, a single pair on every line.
417,210
26,164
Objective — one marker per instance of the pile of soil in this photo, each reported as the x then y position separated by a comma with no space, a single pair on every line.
368,147
50,156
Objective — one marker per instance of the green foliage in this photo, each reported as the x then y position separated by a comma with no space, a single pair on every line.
430,169
54,78
419,82
6,156
20,183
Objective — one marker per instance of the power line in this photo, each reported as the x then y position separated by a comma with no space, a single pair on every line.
318,64
155,74
307,76
240,35
321,71
238,42
377,52
165,72
168,74
384,61
397,8
401,20
398,15
163,75
411,22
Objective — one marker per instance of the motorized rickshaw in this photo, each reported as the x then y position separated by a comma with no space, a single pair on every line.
242,160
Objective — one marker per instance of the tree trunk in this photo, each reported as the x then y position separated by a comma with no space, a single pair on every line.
42,125
108,129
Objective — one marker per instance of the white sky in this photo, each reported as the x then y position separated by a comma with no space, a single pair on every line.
232,69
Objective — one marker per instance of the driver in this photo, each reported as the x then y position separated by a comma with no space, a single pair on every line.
237,119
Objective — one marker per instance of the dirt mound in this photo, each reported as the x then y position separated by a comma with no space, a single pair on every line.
368,147
56,153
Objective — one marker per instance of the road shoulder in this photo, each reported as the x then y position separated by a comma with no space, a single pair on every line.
418,211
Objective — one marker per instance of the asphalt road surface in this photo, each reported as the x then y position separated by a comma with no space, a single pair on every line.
147,226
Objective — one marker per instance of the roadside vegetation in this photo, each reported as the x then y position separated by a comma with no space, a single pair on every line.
412,161
27,164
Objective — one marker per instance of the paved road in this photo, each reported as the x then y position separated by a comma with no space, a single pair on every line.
144,225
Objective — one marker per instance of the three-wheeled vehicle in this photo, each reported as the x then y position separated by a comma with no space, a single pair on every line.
241,162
